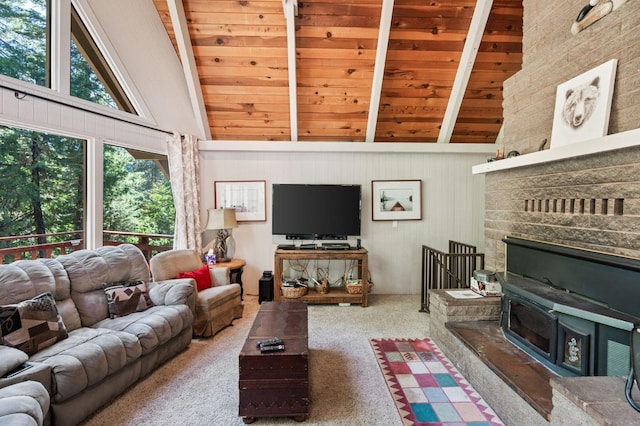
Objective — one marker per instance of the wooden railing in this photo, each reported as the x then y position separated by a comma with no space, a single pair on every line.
36,246
40,245
448,270
150,244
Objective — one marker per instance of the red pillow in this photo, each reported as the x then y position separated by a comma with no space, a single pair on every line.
201,275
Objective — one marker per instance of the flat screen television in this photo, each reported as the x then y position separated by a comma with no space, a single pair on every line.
316,212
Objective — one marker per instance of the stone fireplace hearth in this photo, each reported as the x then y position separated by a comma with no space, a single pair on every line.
519,389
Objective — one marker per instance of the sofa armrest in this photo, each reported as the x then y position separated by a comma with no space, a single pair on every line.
10,359
180,291
35,371
24,403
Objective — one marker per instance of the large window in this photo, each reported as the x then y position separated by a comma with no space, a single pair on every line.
43,195
43,177
42,189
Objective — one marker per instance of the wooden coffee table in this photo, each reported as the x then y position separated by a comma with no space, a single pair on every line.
276,384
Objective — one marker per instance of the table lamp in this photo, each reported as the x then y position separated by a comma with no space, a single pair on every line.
223,220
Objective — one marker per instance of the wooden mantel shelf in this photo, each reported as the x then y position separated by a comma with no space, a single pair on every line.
593,146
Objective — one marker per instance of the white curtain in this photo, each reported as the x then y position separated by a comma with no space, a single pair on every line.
184,168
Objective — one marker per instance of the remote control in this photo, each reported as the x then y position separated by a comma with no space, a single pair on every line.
272,348
270,342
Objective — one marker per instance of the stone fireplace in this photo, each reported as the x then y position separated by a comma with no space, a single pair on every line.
589,201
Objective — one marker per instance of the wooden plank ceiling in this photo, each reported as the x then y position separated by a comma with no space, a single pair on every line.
241,54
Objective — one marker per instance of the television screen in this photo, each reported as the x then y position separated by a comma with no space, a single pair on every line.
330,212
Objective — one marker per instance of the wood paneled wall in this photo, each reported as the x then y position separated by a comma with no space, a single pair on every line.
241,55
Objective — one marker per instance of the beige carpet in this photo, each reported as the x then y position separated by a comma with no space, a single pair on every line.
200,385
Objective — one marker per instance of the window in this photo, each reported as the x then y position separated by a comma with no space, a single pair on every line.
43,177
43,196
91,76
137,196
43,191
24,40
25,53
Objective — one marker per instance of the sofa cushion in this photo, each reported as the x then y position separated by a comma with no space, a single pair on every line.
214,297
87,357
32,324
89,270
10,359
153,327
200,275
26,279
126,298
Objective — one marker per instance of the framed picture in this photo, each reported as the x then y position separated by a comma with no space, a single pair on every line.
574,354
583,106
396,199
246,196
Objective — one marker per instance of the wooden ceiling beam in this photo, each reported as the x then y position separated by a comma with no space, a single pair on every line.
467,60
378,71
290,13
183,40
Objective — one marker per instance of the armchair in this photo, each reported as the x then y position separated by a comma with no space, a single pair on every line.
216,306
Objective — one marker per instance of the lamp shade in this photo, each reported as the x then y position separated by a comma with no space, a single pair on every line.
221,219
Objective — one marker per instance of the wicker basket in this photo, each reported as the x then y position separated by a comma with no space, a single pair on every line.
294,292
322,286
297,275
354,286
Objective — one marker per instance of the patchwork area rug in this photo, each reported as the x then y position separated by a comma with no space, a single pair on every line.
427,388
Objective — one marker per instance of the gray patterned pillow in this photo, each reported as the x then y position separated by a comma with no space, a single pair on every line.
127,297
32,325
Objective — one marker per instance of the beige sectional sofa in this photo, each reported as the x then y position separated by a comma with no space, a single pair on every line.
108,332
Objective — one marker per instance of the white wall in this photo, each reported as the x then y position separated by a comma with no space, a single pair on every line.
453,205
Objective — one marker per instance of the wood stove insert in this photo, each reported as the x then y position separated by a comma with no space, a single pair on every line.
573,310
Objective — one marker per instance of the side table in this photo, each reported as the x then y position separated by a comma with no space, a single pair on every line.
235,266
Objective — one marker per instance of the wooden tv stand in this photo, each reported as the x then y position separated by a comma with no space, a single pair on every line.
335,294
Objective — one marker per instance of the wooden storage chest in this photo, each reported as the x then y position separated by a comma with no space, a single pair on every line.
276,384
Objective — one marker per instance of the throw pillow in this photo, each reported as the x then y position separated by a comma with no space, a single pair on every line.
127,297
201,275
32,325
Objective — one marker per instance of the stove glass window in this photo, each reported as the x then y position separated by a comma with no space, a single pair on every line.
533,325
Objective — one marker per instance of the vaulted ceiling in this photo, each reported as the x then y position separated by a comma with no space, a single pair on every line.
421,71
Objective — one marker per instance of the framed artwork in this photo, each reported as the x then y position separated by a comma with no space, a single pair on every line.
246,196
574,354
583,106
396,199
